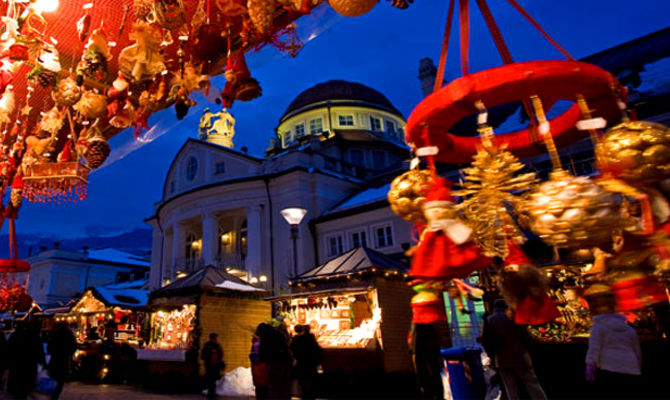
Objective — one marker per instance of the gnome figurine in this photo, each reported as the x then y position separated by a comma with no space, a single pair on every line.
445,250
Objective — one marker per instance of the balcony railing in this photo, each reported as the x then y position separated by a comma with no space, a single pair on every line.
230,260
188,265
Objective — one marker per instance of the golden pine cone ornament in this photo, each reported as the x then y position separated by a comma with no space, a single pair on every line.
66,93
573,212
407,194
352,8
16,197
261,13
636,151
97,151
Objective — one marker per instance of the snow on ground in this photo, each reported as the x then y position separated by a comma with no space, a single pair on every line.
236,383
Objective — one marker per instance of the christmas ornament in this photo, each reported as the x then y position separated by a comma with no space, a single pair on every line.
91,105
170,14
635,290
445,250
98,149
93,64
142,60
524,288
352,8
231,8
408,193
7,105
52,121
636,151
572,212
401,4
491,186
120,109
261,14
427,308
66,93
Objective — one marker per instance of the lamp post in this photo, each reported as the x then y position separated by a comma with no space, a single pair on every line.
293,215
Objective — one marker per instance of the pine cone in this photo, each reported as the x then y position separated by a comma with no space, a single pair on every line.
98,150
261,13
46,78
66,93
16,198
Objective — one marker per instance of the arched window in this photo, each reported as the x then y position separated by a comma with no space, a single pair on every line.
191,168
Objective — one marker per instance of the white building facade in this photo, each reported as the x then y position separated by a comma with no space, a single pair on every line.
220,206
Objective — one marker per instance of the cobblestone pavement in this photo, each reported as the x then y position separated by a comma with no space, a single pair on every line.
82,391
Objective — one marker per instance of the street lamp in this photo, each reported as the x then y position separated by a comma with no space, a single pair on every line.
293,215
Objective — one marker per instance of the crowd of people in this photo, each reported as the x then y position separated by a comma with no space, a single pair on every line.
277,359
23,355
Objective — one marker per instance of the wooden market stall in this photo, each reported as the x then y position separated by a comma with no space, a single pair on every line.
184,313
357,305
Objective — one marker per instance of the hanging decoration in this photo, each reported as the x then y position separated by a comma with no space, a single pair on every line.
408,193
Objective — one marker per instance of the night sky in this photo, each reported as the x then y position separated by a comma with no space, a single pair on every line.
381,49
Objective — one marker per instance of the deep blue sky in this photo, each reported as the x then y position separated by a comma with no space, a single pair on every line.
381,49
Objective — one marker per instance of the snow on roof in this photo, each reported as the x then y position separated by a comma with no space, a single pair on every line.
238,286
117,256
123,297
366,196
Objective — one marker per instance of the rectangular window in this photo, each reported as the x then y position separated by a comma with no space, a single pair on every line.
375,124
378,159
358,239
390,127
315,126
335,245
220,168
356,157
288,138
383,236
299,130
346,120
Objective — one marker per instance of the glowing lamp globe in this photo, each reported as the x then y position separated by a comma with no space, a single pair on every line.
46,5
293,215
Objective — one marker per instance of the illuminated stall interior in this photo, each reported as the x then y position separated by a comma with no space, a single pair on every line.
115,306
357,306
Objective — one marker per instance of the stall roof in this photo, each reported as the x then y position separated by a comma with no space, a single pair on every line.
121,297
355,260
209,278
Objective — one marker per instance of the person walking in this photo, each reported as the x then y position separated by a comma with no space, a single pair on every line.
259,368
614,359
25,353
308,355
507,343
274,350
212,356
61,348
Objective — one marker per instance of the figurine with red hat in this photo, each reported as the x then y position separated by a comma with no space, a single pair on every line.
445,250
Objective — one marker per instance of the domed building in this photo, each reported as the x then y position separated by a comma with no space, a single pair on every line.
335,150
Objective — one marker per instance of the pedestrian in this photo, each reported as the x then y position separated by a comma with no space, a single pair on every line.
508,344
61,348
212,356
25,353
614,359
274,350
259,368
4,358
308,356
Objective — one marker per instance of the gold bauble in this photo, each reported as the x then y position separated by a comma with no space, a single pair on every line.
91,105
407,194
637,150
352,8
66,93
572,212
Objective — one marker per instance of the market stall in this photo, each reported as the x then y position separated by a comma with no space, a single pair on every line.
185,312
356,306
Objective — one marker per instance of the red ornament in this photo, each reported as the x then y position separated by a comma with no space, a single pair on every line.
431,120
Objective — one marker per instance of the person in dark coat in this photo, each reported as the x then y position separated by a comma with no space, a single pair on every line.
274,350
259,368
4,357
212,357
308,355
25,353
61,348
507,343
